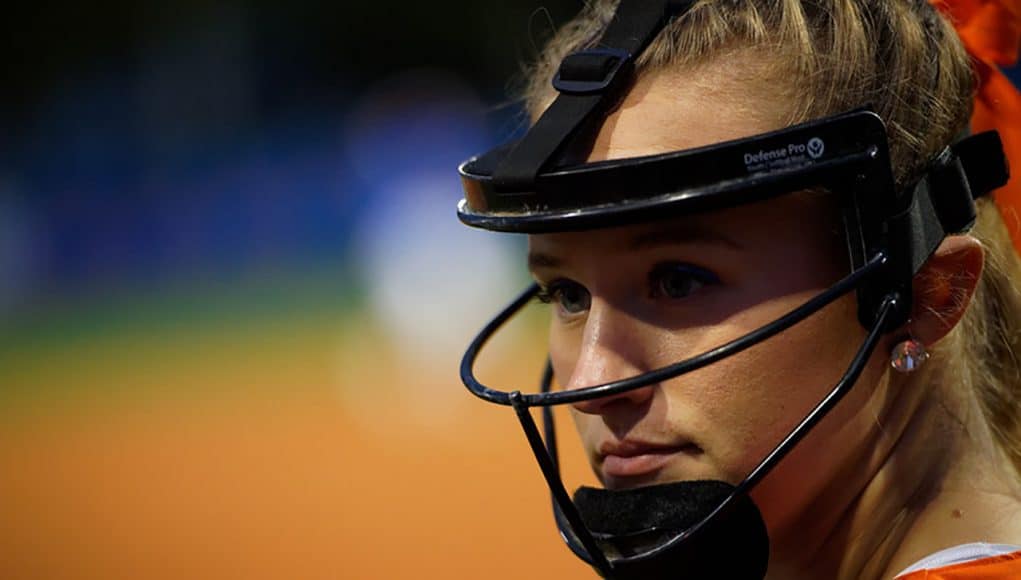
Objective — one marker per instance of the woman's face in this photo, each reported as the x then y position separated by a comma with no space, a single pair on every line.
632,299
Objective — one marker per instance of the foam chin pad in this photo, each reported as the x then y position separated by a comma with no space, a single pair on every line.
734,545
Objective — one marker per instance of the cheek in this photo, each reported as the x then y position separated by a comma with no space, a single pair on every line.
749,402
753,400
564,349
830,462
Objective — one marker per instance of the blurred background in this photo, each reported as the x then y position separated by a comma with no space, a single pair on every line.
234,293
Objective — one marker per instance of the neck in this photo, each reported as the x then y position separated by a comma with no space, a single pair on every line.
975,495
923,449
929,476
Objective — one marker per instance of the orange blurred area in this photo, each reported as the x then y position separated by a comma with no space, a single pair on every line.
304,449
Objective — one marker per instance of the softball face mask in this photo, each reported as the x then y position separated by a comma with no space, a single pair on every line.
690,529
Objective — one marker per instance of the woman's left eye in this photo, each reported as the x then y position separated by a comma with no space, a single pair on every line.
679,280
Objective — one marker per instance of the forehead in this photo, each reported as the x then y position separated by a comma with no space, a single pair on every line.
672,110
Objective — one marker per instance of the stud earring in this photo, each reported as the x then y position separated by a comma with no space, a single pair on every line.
908,356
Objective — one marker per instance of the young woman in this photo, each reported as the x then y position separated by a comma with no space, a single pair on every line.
717,206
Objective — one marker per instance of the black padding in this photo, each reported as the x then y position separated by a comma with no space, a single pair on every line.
918,232
943,201
951,193
733,545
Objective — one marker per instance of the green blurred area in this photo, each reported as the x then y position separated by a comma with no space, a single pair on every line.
63,346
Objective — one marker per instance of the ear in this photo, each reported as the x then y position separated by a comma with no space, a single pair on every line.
943,288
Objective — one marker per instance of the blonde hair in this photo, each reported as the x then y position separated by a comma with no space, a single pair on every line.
905,61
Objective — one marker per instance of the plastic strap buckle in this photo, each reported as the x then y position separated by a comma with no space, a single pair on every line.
592,71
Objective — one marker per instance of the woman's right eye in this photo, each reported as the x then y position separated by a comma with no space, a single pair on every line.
570,297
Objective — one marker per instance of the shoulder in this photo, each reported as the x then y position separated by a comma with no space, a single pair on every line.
978,561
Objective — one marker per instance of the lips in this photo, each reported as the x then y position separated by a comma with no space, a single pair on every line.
630,459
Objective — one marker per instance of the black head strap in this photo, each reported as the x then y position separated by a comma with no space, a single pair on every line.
590,83
941,203
944,199
985,162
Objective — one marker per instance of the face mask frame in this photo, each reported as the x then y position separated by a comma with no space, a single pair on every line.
889,237
535,186
578,538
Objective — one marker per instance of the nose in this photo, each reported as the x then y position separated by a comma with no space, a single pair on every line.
612,349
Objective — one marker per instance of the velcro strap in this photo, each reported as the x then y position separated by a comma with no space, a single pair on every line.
950,190
590,84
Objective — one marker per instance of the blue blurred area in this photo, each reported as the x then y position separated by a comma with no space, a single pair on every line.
1014,74
177,169
225,146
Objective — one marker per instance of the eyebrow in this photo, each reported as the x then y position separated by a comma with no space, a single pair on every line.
659,237
677,235
539,260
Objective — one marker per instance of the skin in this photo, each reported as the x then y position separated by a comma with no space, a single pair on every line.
901,468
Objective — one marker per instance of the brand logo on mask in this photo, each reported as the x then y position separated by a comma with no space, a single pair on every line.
793,155
816,147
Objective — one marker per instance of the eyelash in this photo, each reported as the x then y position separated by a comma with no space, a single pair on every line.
700,275
547,292
544,295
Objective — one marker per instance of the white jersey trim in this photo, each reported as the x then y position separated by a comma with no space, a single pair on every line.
959,555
